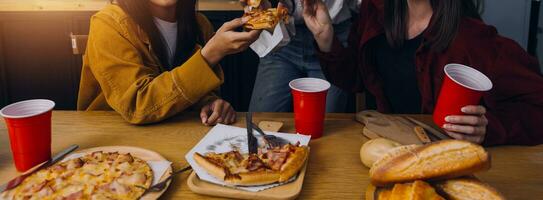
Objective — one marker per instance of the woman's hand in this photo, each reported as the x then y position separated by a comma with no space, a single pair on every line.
470,127
318,20
218,111
227,41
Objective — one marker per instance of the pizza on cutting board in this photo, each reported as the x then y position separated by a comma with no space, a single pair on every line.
268,166
98,175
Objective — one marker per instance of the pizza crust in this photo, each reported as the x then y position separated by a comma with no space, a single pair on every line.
211,168
262,176
293,164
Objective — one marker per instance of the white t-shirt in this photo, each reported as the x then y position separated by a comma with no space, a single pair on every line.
169,33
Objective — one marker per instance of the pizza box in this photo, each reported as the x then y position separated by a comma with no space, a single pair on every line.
223,138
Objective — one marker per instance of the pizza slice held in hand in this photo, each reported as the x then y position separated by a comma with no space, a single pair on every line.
274,165
265,18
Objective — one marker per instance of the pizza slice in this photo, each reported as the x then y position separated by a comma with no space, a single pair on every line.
266,18
266,167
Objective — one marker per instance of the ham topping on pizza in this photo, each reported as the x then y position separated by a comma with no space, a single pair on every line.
265,167
254,163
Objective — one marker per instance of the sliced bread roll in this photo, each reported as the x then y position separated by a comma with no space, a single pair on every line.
436,161
418,190
467,189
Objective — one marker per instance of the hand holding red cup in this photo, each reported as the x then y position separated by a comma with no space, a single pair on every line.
458,110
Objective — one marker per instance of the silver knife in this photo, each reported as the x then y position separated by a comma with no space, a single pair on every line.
18,180
251,139
432,130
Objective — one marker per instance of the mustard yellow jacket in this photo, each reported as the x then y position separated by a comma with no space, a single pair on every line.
120,72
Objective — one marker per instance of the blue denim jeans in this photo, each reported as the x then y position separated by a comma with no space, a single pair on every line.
271,92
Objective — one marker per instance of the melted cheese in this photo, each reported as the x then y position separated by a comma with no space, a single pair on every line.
96,178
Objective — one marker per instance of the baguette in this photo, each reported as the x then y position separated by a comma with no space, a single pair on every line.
378,193
436,161
418,190
467,188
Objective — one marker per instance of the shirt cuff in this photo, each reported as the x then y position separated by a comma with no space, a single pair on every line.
195,78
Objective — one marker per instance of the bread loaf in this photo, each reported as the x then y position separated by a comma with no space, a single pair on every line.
417,190
374,149
436,161
467,188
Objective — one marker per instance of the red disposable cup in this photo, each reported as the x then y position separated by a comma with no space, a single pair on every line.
309,99
29,127
461,86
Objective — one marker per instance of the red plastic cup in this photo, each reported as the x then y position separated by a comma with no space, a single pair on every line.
309,99
461,87
29,127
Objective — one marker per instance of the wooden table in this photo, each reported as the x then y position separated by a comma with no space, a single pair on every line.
334,171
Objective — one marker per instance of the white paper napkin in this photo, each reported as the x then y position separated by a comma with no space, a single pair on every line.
158,167
223,138
268,42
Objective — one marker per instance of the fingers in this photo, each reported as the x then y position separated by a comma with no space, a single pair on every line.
465,129
474,110
245,36
231,116
224,112
308,9
467,120
476,139
217,108
233,24
204,113
253,34
221,112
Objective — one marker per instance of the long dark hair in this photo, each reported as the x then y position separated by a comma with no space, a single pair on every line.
444,25
188,31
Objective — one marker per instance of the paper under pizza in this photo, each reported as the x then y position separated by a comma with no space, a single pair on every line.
267,166
266,18
97,175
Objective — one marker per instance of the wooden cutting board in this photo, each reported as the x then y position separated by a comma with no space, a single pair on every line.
282,192
387,126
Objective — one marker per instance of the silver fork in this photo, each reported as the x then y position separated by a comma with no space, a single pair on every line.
271,140
161,185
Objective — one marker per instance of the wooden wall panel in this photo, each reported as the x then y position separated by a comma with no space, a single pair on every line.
3,82
80,26
37,56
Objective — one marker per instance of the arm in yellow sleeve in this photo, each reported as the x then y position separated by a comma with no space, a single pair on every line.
143,94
